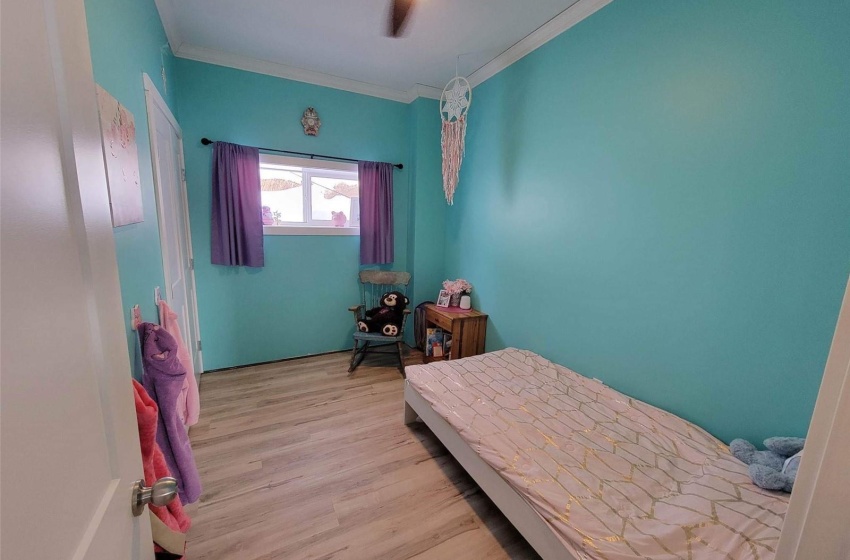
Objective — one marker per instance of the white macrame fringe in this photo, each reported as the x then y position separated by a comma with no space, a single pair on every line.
452,142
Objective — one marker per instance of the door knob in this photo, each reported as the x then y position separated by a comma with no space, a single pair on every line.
160,494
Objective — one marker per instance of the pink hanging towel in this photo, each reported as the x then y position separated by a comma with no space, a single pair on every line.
188,402
169,533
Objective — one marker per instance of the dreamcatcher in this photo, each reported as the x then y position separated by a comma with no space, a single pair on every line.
454,104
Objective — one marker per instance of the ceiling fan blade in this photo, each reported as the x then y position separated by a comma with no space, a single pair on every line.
399,11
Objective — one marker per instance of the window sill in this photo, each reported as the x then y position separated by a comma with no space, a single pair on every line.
310,230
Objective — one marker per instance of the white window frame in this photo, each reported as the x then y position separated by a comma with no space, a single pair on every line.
331,169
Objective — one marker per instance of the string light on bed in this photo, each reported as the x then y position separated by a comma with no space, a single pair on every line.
454,105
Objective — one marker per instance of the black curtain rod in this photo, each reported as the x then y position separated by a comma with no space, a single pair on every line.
207,142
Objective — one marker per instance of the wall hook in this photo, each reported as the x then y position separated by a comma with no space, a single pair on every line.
137,317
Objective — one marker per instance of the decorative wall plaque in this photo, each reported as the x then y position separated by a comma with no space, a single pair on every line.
311,122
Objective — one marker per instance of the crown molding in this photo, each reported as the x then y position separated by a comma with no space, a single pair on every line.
219,58
169,22
539,37
421,90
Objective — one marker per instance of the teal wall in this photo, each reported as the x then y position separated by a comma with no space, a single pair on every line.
298,303
428,204
127,39
660,198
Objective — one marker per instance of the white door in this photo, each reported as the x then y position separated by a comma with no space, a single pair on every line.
70,445
172,208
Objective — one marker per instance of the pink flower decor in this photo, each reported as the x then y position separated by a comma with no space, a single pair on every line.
459,286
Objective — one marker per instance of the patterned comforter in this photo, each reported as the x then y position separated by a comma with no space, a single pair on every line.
614,477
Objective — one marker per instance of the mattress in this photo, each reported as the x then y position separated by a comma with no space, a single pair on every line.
614,477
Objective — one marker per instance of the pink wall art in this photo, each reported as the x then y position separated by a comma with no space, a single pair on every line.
121,156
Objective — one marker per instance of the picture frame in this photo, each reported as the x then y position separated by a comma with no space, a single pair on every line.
434,342
444,298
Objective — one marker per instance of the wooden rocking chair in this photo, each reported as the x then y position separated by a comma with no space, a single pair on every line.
373,285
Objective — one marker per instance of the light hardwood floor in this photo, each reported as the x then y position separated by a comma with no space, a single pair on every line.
298,460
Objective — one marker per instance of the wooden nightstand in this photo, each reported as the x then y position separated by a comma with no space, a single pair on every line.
468,328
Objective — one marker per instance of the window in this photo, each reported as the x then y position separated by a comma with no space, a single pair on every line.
309,197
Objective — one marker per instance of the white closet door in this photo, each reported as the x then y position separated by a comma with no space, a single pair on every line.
167,155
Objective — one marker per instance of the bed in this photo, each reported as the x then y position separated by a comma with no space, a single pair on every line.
585,472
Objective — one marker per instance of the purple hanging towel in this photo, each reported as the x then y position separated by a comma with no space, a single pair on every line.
163,380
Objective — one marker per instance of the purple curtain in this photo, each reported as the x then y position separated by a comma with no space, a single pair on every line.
237,220
376,212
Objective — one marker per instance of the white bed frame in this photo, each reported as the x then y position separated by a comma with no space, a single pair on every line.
526,520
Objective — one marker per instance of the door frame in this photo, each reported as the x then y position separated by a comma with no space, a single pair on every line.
154,101
815,524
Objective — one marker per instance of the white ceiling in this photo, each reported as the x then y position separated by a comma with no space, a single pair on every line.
343,43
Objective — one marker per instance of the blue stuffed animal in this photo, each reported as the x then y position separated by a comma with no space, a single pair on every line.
775,468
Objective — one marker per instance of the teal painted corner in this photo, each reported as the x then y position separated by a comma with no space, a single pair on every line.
427,222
